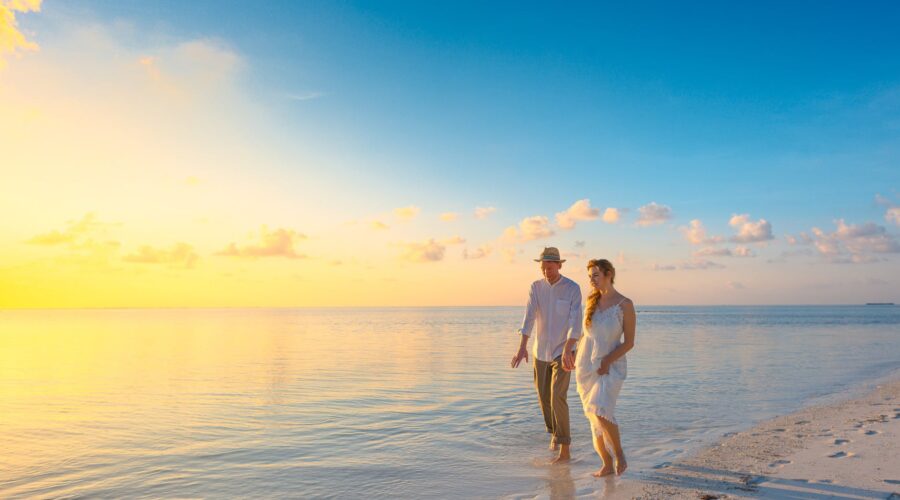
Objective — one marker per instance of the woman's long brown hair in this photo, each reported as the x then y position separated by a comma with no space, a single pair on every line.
593,299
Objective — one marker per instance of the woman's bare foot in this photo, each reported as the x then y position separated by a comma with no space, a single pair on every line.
553,443
606,470
621,465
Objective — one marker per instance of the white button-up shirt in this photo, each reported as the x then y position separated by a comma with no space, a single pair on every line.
557,310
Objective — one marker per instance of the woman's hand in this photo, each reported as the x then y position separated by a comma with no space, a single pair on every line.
604,367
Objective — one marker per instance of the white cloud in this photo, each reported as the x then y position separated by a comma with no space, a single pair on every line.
661,267
11,39
484,212
652,214
581,210
449,216
530,228
378,225
277,243
611,215
850,243
749,231
695,233
407,213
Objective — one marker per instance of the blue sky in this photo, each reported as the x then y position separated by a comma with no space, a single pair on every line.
785,111
708,104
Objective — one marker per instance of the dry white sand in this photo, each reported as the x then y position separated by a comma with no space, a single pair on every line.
848,450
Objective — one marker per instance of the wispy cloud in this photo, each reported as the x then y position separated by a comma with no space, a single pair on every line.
12,40
191,69
581,210
743,252
378,225
700,264
407,213
713,252
892,209
74,230
306,96
277,243
484,212
180,255
449,216
427,251
653,213
479,253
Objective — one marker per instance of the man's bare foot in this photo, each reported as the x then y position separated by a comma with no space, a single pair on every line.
553,443
563,455
604,471
621,465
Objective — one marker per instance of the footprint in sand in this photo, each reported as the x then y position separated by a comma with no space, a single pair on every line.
841,454
779,463
801,422
892,481
869,432
841,441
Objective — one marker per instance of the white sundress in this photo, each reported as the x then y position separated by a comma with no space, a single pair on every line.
599,393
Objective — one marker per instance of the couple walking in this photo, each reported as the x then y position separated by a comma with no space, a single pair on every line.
597,355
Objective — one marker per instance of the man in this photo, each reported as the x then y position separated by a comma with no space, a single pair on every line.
555,303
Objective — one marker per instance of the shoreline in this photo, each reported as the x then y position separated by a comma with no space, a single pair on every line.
847,445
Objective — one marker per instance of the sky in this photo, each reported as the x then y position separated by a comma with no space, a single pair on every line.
281,154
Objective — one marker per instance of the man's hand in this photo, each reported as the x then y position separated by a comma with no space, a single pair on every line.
604,367
568,356
520,355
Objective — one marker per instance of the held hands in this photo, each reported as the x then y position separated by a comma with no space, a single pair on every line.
520,355
568,355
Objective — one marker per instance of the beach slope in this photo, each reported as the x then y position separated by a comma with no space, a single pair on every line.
849,449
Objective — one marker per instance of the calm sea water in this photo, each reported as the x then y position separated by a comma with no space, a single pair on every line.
357,403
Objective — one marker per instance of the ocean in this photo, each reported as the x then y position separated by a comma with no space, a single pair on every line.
416,403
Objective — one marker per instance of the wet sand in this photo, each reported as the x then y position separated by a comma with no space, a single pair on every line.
849,449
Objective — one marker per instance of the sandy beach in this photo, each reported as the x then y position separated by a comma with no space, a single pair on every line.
849,449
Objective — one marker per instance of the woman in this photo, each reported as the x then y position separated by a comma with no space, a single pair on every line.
600,365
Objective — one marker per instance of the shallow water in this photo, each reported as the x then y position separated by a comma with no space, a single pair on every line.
382,402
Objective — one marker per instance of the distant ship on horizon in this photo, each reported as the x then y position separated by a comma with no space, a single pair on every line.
879,303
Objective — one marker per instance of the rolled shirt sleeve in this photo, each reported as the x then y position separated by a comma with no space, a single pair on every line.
575,315
530,313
